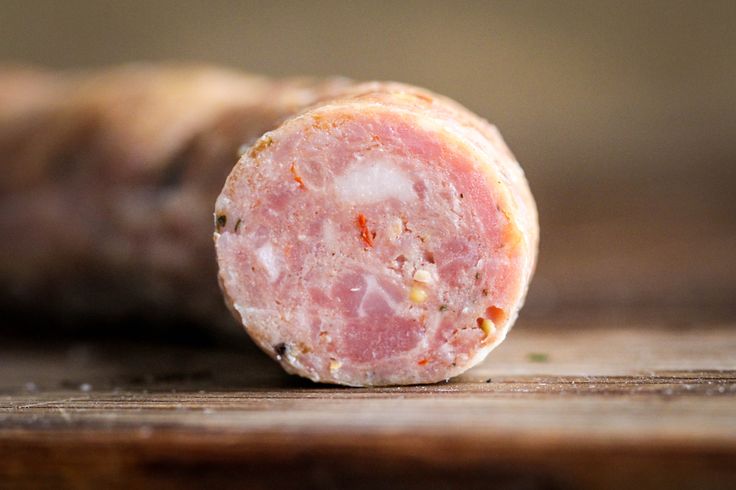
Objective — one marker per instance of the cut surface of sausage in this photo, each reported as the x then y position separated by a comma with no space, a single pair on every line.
385,237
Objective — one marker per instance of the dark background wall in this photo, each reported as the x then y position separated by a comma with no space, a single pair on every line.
623,114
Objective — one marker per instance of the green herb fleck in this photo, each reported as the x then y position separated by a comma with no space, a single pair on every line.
538,357
237,224
443,307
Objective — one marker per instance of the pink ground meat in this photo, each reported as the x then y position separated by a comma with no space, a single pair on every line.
384,237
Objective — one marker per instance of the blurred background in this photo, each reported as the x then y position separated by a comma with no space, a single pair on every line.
622,113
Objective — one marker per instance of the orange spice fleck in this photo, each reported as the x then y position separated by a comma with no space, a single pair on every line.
261,145
423,97
423,362
496,314
297,177
365,234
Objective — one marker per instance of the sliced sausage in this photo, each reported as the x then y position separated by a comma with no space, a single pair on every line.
386,236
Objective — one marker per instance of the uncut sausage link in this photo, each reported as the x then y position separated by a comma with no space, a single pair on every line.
108,183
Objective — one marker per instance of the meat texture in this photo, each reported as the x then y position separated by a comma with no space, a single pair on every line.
386,236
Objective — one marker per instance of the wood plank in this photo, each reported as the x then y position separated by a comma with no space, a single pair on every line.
572,407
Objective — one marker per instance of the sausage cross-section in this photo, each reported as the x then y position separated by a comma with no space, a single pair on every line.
385,236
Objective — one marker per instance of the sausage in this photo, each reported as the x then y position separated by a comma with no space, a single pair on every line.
386,236
376,234
109,178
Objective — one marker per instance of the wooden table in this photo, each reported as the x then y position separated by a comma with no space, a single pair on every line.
582,403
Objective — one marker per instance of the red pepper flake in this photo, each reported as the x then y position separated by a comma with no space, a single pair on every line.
365,234
423,362
496,314
297,177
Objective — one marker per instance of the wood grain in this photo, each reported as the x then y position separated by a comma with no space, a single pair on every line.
591,407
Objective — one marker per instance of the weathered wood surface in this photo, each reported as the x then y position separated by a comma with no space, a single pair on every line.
575,406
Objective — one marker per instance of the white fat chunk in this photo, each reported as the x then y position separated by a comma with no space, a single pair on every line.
250,314
267,256
373,287
329,235
374,180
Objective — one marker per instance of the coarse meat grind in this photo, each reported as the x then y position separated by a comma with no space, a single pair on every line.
385,236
